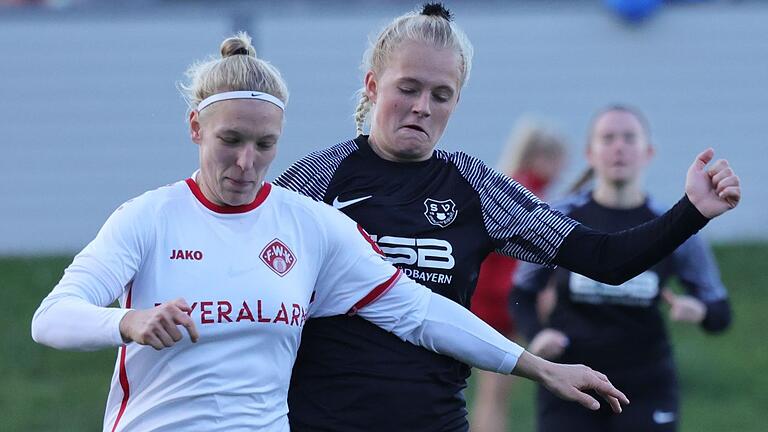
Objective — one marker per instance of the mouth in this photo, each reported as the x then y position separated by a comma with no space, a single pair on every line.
416,127
239,183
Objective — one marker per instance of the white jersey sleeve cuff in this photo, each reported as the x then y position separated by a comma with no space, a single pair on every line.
71,323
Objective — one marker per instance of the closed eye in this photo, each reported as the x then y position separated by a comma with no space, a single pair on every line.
230,140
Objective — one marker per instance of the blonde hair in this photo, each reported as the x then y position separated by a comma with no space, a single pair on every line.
432,25
238,69
529,140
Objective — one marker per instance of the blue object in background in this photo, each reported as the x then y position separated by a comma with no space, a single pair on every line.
633,11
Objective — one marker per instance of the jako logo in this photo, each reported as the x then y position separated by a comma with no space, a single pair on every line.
180,254
277,256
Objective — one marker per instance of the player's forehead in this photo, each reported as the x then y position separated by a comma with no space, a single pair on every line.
244,117
617,121
424,64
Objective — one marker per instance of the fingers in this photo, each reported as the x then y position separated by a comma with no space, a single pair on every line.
586,401
190,326
720,171
725,182
607,390
165,338
181,317
152,341
703,158
732,181
181,304
717,167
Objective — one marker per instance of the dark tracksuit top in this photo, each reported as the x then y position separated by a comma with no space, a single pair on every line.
437,220
619,330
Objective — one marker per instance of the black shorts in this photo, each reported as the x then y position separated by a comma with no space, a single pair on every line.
654,404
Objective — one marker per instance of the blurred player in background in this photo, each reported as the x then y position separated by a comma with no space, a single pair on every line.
534,157
619,329
217,274
437,215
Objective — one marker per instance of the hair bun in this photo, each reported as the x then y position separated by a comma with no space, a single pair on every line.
437,9
240,44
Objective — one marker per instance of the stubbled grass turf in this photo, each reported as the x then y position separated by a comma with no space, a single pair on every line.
724,379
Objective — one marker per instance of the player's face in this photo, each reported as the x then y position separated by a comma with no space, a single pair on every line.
619,150
413,98
238,142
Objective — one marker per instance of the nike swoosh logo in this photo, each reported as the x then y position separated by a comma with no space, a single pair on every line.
341,204
661,417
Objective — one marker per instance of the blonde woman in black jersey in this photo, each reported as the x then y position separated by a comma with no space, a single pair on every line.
437,215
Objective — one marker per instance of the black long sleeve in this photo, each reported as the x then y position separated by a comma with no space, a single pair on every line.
718,316
617,257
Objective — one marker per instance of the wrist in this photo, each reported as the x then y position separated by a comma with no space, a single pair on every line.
124,326
532,367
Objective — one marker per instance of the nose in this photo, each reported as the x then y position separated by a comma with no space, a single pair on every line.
421,106
246,157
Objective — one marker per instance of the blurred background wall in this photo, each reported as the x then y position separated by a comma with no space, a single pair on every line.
91,117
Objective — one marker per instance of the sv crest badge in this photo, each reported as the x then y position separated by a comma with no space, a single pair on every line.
440,213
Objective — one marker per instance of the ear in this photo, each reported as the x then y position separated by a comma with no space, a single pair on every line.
371,86
194,127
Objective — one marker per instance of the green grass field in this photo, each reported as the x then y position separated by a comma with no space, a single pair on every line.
724,378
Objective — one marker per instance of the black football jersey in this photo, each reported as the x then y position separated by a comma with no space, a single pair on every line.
436,220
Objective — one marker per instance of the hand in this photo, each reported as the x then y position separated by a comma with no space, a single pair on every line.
548,344
570,381
713,190
684,308
158,326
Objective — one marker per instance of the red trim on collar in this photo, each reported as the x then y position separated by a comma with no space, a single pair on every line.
260,197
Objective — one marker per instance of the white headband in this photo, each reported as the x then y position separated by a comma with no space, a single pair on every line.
240,95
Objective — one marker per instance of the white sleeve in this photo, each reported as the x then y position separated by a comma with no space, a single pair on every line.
417,315
353,271
75,315
354,278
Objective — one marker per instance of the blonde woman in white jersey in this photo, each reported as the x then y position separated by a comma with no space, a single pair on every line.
216,275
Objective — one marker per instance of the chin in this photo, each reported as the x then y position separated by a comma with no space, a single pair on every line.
239,199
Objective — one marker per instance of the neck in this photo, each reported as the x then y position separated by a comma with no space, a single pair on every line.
619,196
382,152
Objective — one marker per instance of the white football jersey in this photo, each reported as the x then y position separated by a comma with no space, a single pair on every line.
252,275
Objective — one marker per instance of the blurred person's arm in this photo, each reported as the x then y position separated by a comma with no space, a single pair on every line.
697,270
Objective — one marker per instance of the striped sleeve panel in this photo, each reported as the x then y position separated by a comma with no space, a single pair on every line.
521,225
311,175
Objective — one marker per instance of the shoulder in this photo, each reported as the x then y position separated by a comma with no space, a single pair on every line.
463,161
289,202
311,174
153,201
324,157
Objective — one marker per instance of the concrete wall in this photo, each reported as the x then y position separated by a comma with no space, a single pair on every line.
90,116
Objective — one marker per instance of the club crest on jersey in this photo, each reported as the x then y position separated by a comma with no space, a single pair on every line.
278,257
440,213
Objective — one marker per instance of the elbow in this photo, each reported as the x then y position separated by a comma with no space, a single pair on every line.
39,328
